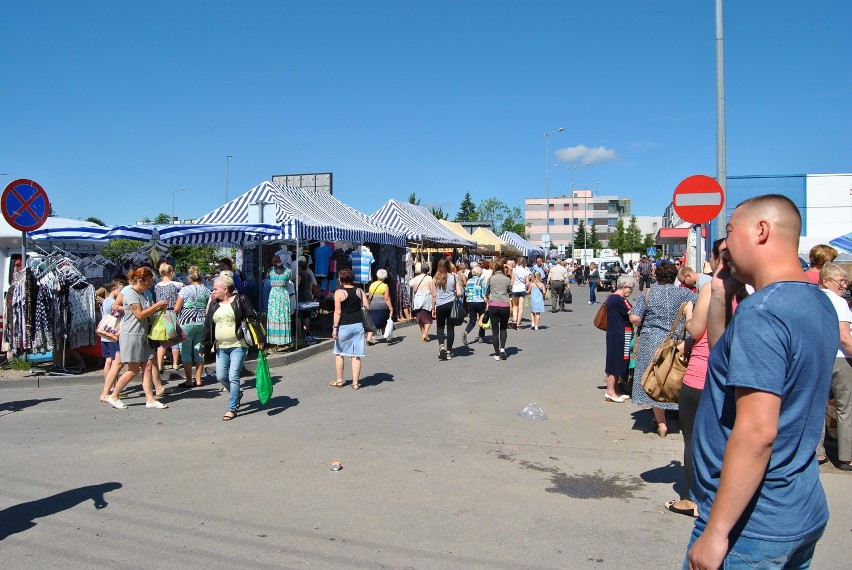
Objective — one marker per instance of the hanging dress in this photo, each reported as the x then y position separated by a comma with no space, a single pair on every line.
278,319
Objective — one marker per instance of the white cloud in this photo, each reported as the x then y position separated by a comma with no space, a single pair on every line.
584,154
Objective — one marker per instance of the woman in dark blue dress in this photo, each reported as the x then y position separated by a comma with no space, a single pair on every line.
619,332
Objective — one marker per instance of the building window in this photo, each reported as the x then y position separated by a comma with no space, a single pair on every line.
551,222
552,207
566,206
566,221
612,222
576,221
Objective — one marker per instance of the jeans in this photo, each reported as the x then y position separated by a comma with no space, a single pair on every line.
189,348
499,323
229,363
746,553
474,309
442,314
593,287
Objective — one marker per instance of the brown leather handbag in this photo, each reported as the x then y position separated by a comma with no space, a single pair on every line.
663,378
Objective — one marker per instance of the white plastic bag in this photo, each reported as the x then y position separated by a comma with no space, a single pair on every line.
532,412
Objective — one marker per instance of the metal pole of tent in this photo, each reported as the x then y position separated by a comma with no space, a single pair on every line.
298,318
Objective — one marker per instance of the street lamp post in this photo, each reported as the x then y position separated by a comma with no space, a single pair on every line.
174,192
227,172
547,203
572,169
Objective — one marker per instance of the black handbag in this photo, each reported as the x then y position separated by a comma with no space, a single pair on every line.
369,325
456,314
569,298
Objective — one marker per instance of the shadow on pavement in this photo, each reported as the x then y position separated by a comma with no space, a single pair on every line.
643,420
20,405
375,379
671,473
273,407
22,517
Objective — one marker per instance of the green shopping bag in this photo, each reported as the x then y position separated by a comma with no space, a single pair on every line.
263,380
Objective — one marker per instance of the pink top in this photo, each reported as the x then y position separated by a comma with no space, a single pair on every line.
697,369
813,275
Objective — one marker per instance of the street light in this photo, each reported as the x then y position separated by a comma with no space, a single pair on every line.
173,202
227,171
572,169
546,236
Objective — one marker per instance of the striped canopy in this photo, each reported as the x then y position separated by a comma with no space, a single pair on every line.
221,235
842,242
418,224
525,247
93,232
305,214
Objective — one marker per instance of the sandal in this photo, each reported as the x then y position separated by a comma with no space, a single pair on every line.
337,384
229,415
693,512
356,386
188,384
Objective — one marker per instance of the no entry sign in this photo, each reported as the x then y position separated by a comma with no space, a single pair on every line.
698,199
25,205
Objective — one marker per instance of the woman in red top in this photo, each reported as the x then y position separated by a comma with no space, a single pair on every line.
819,255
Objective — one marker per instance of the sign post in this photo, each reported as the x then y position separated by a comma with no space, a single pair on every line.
697,200
25,205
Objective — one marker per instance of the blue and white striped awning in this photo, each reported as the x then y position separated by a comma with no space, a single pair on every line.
95,233
418,224
221,235
305,214
523,245
842,242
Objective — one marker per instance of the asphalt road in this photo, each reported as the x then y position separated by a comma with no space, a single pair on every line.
438,469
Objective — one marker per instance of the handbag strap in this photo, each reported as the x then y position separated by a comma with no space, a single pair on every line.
681,314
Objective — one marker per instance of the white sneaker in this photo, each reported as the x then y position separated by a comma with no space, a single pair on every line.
156,404
117,404
496,357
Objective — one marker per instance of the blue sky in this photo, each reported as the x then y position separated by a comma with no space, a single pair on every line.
113,105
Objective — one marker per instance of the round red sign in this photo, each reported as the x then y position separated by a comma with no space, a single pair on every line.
698,199
25,205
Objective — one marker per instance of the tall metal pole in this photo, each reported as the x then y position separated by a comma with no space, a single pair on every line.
174,192
721,163
227,172
547,204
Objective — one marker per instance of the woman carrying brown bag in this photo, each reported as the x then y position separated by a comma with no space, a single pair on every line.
656,314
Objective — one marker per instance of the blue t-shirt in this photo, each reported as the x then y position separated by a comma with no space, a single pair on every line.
779,342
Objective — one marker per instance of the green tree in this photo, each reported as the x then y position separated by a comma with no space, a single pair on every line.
95,220
467,210
633,241
581,235
594,240
186,256
513,221
146,220
492,210
438,212
413,199
648,242
162,219
618,239
117,249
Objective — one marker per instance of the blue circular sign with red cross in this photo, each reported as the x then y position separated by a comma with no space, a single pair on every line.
25,205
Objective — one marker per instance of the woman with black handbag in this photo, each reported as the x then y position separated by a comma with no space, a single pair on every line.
224,331
446,289
350,305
